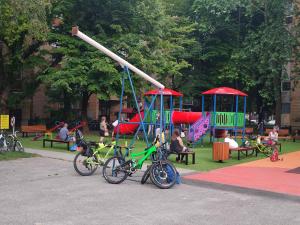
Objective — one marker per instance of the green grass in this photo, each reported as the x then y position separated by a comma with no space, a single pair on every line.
204,160
15,155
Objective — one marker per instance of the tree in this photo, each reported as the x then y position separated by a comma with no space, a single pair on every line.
245,44
139,31
23,29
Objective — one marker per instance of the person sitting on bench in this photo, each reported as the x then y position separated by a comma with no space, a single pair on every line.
232,142
273,136
64,134
177,145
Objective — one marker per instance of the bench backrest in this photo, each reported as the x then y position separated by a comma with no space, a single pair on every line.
33,128
248,130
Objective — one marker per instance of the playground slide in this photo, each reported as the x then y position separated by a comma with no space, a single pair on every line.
129,128
81,124
185,117
60,124
199,128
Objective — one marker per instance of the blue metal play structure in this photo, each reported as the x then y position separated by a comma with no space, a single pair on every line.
211,121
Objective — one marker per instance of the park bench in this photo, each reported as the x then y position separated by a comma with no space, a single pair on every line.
184,157
33,129
241,149
248,131
57,141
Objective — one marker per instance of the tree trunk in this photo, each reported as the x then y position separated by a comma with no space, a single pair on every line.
84,107
67,106
278,102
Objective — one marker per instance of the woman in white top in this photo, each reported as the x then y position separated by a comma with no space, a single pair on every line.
232,142
273,135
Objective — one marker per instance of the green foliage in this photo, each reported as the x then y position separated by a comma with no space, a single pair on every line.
23,28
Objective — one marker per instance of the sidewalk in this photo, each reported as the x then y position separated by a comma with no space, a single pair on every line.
70,157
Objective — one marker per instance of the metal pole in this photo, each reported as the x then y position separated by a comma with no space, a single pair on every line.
245,105
75,31
236,116
120,111
215,117
137,105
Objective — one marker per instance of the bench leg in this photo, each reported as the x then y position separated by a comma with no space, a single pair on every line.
186,159
68,145
43,143
51,143
280,147
239,155
194,158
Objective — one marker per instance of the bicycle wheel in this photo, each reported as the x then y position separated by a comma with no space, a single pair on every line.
114,171
19,147
163,174
85,166
267,150
10,141
146,175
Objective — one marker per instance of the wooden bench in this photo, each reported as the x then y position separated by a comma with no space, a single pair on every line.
241,149
33,129
185,155
55,140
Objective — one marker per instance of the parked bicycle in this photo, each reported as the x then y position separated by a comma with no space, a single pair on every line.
4,143
259,147
90,155
14,142
162,172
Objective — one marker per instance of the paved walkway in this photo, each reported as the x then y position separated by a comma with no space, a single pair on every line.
282,176
46,191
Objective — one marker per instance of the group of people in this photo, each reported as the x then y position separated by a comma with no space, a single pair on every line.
270,140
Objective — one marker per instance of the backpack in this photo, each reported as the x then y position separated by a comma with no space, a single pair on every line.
274,155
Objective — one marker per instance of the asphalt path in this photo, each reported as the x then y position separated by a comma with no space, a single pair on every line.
47,191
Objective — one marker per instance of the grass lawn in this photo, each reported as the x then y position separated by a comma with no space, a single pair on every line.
204,160
15,155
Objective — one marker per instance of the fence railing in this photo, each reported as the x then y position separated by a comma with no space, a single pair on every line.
227,119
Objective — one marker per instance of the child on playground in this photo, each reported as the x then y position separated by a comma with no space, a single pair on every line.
103,129
273,135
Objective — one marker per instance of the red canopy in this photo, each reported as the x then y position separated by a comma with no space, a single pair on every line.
224,91
166,91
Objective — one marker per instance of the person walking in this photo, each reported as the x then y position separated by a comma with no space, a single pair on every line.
103,129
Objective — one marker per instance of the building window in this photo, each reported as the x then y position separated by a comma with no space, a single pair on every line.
285,86
286,108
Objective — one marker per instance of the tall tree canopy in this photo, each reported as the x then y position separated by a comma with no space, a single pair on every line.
23,28
139,31
189,45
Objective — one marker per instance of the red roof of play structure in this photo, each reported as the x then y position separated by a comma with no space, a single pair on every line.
224,91
166,91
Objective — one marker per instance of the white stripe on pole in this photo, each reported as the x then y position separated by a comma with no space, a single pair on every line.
117,58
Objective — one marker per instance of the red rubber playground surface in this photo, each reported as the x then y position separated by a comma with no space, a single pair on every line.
282,176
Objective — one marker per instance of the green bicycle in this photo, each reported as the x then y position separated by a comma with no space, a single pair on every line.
259,147
90,156
162,172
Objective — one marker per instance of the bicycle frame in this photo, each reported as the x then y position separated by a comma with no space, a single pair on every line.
146,154
97,154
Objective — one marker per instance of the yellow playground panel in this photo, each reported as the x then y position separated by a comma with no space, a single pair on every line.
4,122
